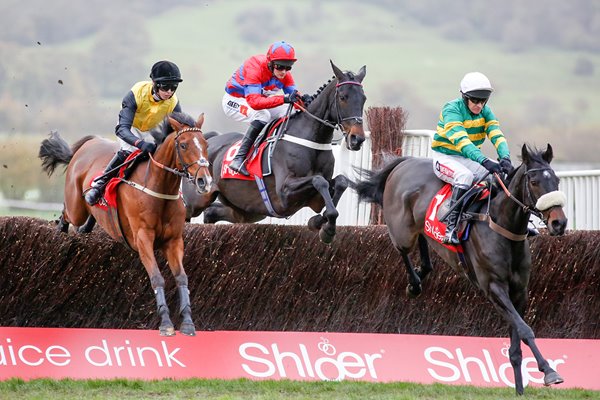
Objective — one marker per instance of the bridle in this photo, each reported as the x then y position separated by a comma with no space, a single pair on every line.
335,125
184,173
532,208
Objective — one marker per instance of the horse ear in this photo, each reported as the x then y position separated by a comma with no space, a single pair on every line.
361,73
200,121
548,154
175,124
337,72
524,154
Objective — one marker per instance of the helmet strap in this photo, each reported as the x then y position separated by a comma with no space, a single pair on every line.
155,95
270,66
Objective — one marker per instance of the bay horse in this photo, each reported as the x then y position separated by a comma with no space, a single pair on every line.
150,213
302,163
500,267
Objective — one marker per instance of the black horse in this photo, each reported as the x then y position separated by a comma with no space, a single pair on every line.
302,163
497,257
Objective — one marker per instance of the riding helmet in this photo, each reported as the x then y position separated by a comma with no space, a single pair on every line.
476,85
282,53
165,71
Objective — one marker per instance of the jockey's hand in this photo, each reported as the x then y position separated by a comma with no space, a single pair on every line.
146,147
291,97
506,165
491,166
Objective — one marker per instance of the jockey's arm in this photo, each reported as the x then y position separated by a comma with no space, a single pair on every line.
126,115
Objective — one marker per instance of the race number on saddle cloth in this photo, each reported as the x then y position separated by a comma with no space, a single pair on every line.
256,163
110,193
436,229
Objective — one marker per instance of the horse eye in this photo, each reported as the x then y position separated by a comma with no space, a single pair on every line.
534,183
183,146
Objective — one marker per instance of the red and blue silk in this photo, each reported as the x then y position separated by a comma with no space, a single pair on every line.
254,81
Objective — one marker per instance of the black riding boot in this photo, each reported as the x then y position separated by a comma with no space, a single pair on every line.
95,193
237,164
452,219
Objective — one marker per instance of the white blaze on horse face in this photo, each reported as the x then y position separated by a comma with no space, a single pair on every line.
547,174
197,143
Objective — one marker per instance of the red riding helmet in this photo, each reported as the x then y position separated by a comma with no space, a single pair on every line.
282,53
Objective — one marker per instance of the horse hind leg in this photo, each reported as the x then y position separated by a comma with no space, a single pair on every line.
62,224
426,266
413,289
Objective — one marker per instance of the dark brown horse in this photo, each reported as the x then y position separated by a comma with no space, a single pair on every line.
150,213
498,265
302,163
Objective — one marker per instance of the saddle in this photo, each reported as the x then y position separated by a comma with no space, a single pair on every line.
437,210
110,192
256,164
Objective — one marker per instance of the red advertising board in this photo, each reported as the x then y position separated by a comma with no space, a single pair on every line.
57,353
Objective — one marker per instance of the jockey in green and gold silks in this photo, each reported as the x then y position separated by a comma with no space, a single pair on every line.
464,125
459,132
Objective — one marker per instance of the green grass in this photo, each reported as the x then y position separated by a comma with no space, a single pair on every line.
246,389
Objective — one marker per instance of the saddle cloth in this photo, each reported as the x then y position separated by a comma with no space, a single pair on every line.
438,207
110,192
256,163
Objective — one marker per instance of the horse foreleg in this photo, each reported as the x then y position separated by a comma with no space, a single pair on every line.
331,214
144,244
88,226
173,251
498,294
340,184
62,224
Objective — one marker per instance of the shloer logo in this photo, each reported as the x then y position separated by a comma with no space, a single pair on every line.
456,367
268,362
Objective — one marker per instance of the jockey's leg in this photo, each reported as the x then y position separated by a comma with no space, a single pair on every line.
237,164
95,193
452,219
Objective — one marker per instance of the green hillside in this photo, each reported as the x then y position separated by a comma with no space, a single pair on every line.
543,92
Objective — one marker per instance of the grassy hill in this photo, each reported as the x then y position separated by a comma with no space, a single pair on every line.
412,64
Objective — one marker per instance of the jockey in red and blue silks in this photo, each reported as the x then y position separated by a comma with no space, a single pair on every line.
253,94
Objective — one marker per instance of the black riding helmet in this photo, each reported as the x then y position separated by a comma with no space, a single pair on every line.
165,71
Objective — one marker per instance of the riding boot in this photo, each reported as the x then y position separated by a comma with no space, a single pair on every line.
95,193
451,236
237,164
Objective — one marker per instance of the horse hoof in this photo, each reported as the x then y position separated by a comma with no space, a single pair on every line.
166,331
315,223
552,378
413,291
187,329
325,237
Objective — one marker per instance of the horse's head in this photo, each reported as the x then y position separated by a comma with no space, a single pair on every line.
190,148
541,193
349,103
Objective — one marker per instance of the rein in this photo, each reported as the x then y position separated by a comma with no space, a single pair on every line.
202,162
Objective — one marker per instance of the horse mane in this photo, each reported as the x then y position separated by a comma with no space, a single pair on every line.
164,128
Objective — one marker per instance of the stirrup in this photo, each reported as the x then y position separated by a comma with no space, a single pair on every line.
241,168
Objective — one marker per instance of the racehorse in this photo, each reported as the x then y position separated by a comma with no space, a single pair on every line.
498,264
149,212
302,163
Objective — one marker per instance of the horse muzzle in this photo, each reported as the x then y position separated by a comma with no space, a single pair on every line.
557,221
202,180
355,137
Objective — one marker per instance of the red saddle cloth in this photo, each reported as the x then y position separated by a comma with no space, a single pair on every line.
434,228
254,162
110,192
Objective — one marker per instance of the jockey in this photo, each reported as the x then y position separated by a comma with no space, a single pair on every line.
143,107
250,94
463,126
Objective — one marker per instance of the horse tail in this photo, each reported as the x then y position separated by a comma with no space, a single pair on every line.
370,190
55,150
